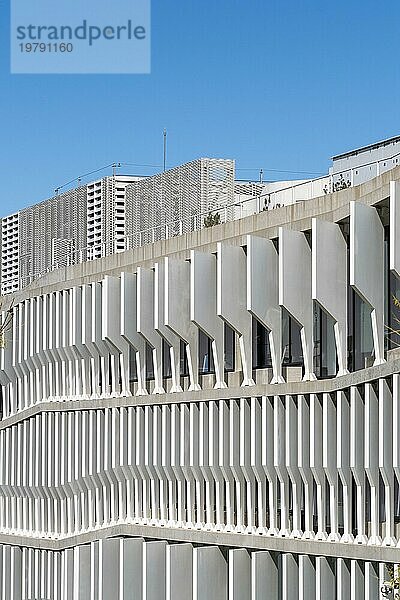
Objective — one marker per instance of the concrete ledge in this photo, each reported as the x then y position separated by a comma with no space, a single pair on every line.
230,540
279,389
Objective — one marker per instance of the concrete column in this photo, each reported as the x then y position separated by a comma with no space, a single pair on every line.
290,577
386,446
292,463
132,563
280,463
179,572
316,462
209,574
110,568
307,579
81,574
343,461
68,575
268,464
357,589
326,581
343,579
239,564
372,587
371,458
357,459
154,561
264,576
304,464
329,450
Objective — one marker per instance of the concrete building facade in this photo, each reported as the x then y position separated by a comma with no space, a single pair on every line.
212,416
367,162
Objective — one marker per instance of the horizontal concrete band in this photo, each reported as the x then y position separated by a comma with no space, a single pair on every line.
392,366
229,540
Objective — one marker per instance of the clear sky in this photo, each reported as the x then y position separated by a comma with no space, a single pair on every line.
276,85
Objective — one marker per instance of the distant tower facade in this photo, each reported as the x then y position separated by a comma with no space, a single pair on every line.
176,201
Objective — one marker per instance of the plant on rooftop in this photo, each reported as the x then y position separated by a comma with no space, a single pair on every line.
210,220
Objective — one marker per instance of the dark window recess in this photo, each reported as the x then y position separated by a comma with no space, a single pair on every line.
132,365
261,350
184,368
325,362
206,359
360,340
392,299
149,363
292,350
166,360
392,337
229,348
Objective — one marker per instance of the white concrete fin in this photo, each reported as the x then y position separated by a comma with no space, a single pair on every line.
177,313
366,267
329,281
231,301
295,289
263,295
203,307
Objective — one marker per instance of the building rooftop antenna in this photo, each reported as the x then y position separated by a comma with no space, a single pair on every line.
164,149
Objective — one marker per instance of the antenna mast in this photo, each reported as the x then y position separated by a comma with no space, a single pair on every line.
165,149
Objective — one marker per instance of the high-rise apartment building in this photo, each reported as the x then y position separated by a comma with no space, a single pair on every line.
110,215
214,417
10,253
80,224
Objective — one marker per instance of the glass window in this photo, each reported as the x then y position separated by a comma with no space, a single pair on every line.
132,365
166,360
261,351
360,339
206,359
325,363
291,341
149,363
184,368
229,348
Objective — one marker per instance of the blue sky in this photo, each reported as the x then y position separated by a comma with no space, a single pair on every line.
275,85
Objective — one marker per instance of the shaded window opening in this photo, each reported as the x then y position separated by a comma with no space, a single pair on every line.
360,338
292,351
206,359
261,349
149,363
184,367
166,360
229,348
132,365
324,355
